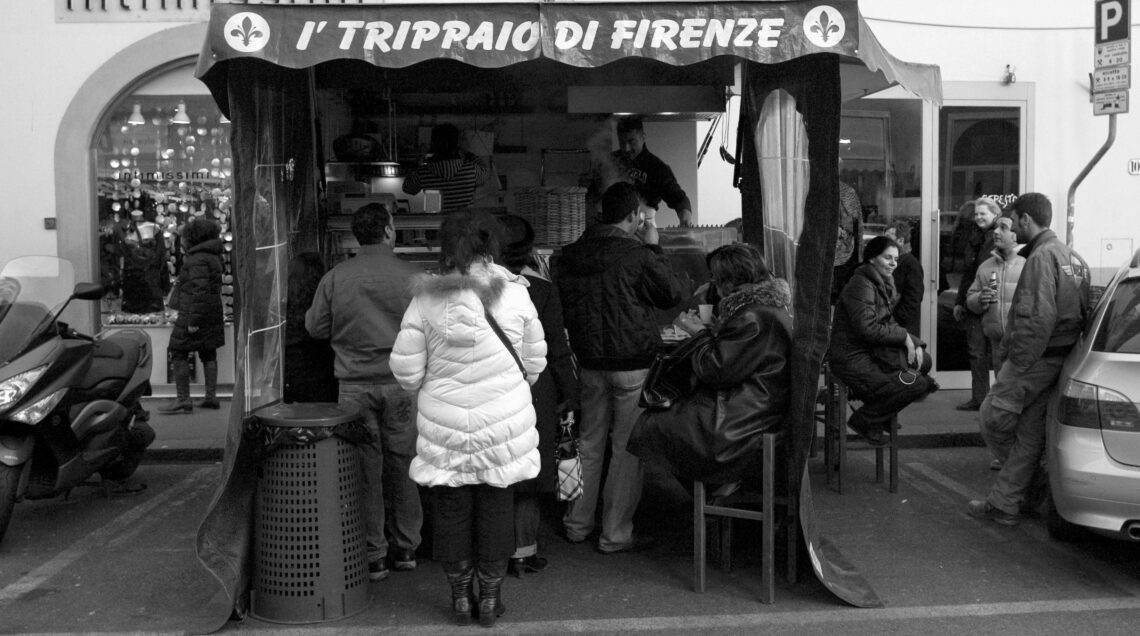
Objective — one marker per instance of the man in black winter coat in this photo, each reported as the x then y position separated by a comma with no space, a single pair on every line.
610,284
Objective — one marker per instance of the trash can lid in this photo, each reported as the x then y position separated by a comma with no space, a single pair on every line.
307,414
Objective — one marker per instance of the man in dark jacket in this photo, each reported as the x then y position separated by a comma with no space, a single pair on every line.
1045,321
610,284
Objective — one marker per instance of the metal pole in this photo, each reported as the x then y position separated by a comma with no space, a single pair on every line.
1072,208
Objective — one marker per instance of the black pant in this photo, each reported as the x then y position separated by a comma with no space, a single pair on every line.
473,523
891,396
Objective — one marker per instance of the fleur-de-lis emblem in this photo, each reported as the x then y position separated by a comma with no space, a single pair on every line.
247,32
825,27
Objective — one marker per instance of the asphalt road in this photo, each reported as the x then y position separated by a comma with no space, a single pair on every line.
93,564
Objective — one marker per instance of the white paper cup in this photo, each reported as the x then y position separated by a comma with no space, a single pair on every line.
704,312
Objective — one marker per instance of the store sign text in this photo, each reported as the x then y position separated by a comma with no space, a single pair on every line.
490,36
169,175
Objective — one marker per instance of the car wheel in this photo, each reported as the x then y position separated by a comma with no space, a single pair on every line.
1059,528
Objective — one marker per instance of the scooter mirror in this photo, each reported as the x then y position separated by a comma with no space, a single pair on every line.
88,291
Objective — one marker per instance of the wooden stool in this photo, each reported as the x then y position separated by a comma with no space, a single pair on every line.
766,515
835,438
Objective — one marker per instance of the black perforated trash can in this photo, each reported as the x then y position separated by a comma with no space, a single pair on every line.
310,561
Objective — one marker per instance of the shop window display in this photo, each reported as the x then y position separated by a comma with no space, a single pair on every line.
161,159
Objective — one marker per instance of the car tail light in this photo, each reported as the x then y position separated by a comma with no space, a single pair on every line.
1078,405
1117,412
1089,406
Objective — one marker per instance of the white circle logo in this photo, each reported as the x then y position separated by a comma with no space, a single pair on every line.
247,32
824,26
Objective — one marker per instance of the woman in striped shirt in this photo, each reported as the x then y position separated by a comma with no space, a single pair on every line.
453,172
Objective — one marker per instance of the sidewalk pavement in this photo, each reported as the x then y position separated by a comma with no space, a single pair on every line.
201,436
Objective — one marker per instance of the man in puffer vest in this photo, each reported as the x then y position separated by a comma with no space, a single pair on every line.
1045,321
611,284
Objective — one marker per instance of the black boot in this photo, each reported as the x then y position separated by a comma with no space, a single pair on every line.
460,575
491,606
182,403
210,375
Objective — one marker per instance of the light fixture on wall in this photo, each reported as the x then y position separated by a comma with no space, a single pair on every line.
180,116
136,118
1010,76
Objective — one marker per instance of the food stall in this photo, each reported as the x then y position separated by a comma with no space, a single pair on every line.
295,79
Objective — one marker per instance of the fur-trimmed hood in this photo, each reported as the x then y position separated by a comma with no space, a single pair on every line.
774,292
487,281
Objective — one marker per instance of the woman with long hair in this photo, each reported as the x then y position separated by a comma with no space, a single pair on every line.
471,344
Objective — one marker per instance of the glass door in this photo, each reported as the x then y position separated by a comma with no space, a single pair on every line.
915,166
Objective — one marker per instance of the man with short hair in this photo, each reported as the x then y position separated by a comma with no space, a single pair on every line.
991,293
611,284
358,307
1045,320
652,176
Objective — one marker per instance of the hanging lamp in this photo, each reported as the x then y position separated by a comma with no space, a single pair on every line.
136,118
180,116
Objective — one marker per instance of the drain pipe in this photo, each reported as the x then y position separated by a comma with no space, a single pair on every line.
1072,209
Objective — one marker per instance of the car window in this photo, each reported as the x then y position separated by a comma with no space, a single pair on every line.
1120,329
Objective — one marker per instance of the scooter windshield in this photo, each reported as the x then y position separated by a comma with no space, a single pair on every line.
32,289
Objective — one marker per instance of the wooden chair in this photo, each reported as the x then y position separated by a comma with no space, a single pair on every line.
835,438
744,507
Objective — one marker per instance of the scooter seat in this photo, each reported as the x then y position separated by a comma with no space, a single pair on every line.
113,361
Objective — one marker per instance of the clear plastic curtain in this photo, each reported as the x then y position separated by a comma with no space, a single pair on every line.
273,197
782,153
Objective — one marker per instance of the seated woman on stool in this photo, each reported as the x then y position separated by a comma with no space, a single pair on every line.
741,373
882,364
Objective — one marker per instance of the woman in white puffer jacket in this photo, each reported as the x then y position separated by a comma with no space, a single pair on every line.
476,421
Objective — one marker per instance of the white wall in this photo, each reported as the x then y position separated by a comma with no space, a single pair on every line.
45,63
1051,44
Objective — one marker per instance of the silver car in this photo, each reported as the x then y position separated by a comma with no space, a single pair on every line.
1094,420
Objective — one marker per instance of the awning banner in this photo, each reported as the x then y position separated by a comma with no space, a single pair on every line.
496,35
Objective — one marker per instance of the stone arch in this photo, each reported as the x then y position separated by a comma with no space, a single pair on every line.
75,200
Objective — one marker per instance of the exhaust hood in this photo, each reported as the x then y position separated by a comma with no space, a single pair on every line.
680,103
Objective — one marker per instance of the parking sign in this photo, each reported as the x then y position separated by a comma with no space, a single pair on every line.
1112,57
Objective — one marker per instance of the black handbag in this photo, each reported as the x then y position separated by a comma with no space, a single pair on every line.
670,377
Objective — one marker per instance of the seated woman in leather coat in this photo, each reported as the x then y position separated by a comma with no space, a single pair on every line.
741,375
882,364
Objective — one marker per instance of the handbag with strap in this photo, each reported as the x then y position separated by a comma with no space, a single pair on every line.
567,460
670,377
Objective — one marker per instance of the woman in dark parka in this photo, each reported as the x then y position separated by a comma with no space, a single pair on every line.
555,393
882,364
742,373
200,325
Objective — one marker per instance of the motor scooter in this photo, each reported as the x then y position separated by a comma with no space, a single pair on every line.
69,403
